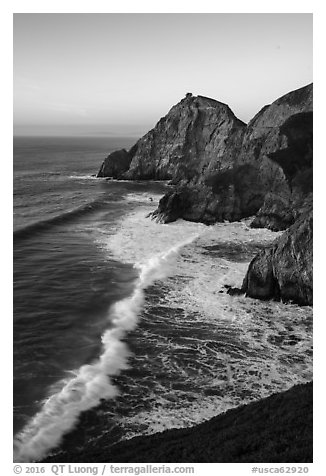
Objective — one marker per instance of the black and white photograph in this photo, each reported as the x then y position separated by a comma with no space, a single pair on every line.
162,239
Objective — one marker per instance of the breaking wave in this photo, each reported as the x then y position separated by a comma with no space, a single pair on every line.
91,383
64,217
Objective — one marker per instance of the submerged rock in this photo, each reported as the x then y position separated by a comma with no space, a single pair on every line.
285,271
233,291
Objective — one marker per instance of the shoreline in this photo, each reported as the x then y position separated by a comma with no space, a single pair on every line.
191,261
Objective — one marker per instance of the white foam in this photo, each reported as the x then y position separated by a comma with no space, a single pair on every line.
250,359
136,238
144,197
85,177
267,367
92,382
209,274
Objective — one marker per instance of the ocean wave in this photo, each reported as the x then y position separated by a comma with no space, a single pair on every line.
41,225
92,382
212,351
224,350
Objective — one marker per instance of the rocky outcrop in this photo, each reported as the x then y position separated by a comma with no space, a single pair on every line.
282,206
197,134
231,194
284,271
115,165
221,168
174,203
254,178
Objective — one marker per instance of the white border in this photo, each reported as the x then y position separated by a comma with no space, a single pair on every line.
168,6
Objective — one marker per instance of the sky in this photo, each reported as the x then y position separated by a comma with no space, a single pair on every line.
117,74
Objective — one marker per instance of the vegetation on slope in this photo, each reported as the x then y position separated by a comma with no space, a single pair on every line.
274,429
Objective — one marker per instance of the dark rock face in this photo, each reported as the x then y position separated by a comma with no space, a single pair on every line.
172,203
285,270
266,169
282,206
221,168
276,213
115,164
196,134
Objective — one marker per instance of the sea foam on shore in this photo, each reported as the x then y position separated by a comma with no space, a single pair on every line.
196,351
222,350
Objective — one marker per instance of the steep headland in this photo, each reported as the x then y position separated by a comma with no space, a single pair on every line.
222,169
276,429
196,133
255,181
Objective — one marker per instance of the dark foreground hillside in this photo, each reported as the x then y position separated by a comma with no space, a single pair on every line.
274,429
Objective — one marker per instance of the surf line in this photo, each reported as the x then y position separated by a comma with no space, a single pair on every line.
92,382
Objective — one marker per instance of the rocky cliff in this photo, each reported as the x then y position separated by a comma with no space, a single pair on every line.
256,179
196,134
221,168
115,165
285,270
283,204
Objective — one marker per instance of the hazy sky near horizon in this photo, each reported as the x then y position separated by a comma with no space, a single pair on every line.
117,74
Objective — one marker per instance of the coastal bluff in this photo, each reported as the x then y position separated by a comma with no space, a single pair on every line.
196,134
220,168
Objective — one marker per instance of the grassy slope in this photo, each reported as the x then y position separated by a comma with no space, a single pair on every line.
274,429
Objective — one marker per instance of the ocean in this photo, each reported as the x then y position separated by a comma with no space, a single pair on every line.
122,326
